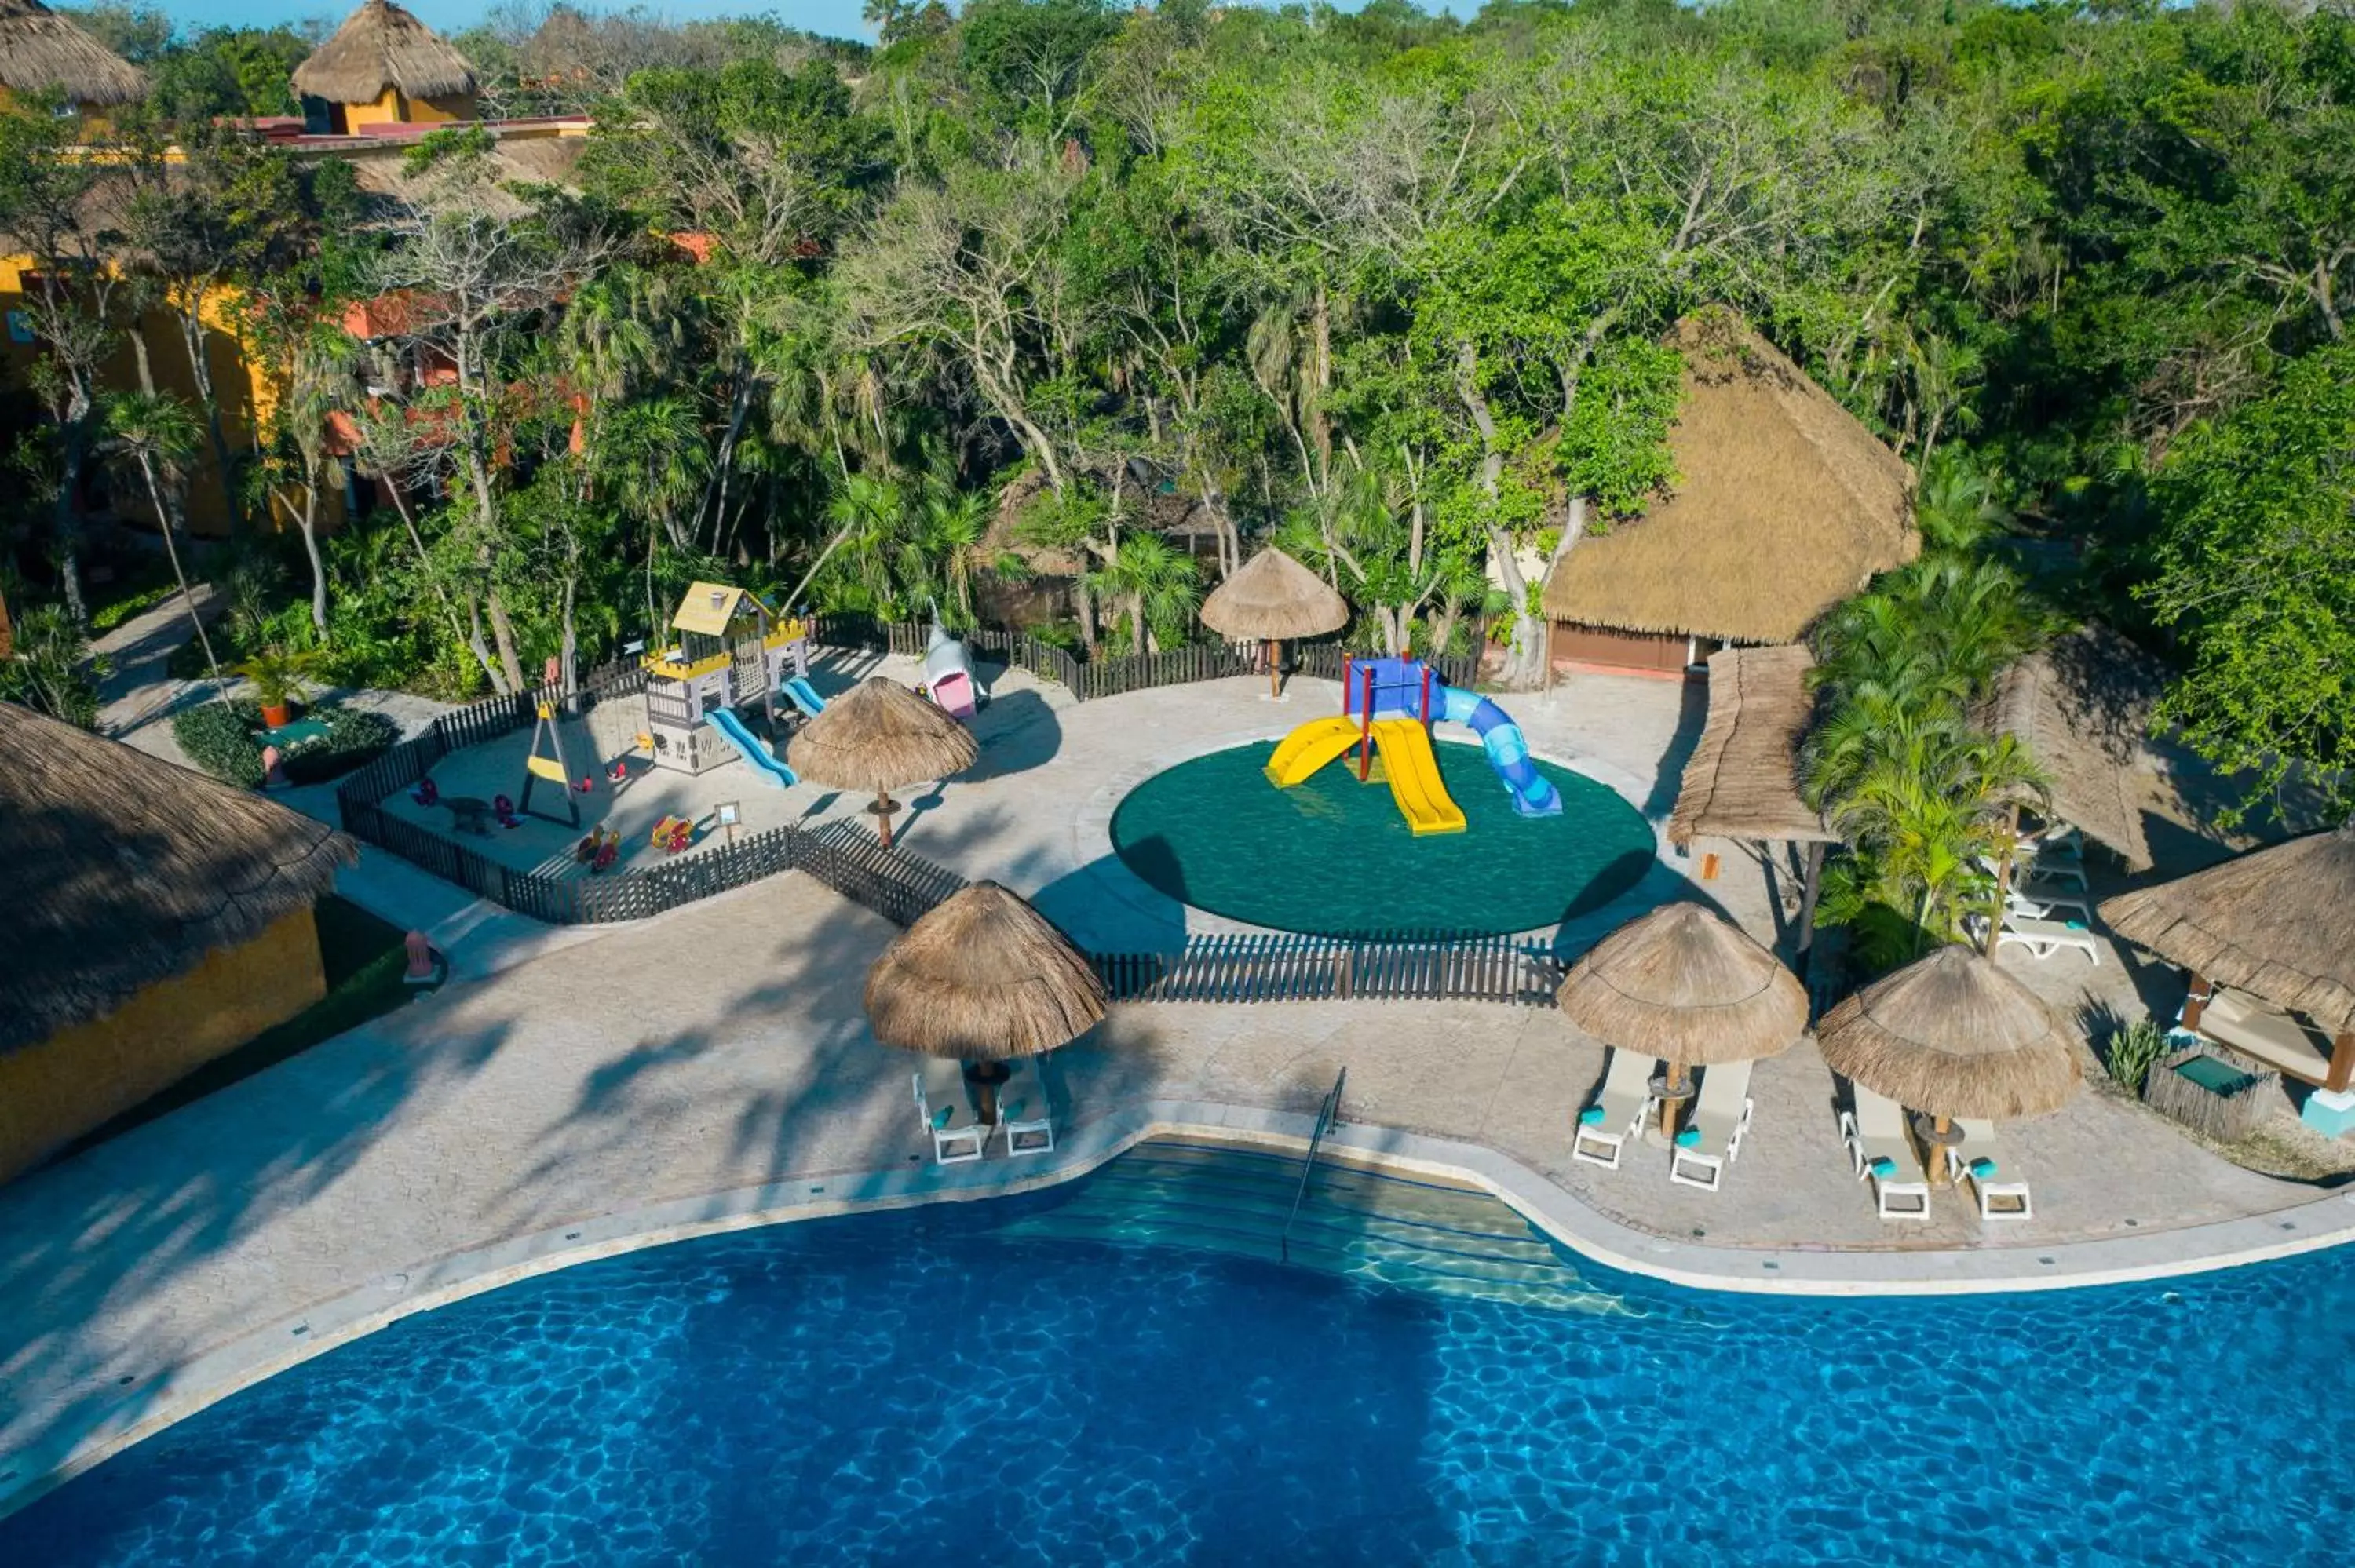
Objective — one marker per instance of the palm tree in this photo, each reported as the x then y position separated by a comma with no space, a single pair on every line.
155,434
1159,586
935,558
1958,504
1929,811
867,513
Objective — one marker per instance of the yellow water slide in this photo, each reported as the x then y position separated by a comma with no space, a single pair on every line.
1422,799
1310,748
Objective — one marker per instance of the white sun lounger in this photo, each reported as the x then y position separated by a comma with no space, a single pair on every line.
1022,1110
1998,1199
2045,937
1604,1127
2040,904
946,1108
1721,1116
1875,1134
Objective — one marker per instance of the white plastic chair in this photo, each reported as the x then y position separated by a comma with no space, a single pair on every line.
946,1110
1022,1112
1875,1132
1721,1116
1604,1127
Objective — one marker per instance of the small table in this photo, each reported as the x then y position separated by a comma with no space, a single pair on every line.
1672,1089
1936,1143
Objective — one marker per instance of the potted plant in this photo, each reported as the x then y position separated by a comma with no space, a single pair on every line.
279,681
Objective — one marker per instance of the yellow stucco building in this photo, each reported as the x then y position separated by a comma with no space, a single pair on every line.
383,67
158,920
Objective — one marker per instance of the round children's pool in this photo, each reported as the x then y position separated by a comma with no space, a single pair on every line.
1333,857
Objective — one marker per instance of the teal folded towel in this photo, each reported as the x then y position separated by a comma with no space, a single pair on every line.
1883,1166
941,1116
1689,1139
1982,1168
1591,1116
2076,925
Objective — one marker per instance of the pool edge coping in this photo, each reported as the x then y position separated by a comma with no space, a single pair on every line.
378,1303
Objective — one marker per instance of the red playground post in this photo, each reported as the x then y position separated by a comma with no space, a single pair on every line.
1366,729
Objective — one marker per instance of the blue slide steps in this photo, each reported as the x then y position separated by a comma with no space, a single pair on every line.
803,696
770,771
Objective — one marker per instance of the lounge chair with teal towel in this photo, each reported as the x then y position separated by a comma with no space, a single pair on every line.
1604,1127
946,1107
1721,1116
1976,1157
1875,1134
1022,1109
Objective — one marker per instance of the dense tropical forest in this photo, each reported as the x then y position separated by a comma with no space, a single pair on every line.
1049,288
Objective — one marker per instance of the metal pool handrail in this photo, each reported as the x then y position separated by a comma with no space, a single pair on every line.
1327,1115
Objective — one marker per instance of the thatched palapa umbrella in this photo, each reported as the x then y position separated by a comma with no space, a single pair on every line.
41,51
2278,923
879,737
1272,599
984,978
1952,1035
382,46
1687,986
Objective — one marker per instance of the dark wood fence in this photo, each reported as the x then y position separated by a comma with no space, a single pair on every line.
1270,968
1108,675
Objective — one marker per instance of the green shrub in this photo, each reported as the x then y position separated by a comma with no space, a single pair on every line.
220,740
107,616
2132,1051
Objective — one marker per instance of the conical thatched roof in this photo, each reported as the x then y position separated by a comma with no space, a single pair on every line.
382,45
1785,504
1275,597
1682,984
2277,923
878,736
41,51
119,870
1953,1035
982,978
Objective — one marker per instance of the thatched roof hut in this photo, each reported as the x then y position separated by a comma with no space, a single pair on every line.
41,51
1785,504
878,736
1743,781
1274,599
982,978
2278,923
119,870
1953,1035
380,46
2082,708
1685,985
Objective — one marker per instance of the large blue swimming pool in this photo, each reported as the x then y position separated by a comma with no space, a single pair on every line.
926,1388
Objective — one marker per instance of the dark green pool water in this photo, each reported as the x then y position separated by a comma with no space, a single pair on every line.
1333,857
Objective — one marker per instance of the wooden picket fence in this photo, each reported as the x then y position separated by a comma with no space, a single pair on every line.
1274,968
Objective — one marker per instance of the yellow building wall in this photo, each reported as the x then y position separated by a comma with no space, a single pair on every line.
52,1093
440,110
385,110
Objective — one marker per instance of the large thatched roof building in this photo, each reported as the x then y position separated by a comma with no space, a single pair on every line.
1785,504
41,51
384,66
157,919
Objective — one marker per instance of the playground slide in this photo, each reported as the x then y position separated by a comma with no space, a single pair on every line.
803,696
1508,751
1310,748
1413,772
770,772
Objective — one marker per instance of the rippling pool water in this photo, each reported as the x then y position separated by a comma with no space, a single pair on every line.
921,1388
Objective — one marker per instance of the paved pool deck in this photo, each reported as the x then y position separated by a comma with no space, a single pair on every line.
574,1094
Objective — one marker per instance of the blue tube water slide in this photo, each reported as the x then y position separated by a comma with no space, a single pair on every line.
804,696
1509,751
764,766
